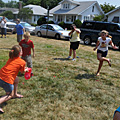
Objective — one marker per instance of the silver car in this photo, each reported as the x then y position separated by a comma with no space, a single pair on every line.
28,27
51,30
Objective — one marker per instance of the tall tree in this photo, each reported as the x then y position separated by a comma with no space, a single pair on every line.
2,4
106,7
25,14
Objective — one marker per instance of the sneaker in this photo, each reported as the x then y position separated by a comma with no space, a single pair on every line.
1,36
69,57
73,59
5,36
31,74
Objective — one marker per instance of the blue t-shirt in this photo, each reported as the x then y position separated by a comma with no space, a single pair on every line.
19,29
117,110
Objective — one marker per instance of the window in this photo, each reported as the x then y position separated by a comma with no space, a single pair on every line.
60,18
43,26
66,6
88,25
86,18
101,26
93,9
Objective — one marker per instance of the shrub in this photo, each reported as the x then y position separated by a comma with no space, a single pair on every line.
78,23
41,21
50,22
62,24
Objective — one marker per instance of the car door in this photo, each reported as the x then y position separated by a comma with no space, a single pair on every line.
51,31
43,30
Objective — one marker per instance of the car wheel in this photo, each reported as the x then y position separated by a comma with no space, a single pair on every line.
57,36
39,34
87,40
119,46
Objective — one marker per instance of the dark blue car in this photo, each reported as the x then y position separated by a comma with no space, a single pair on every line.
90,31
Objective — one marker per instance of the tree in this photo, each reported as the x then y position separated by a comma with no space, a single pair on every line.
41,20
12,4
25,14
78,23
98,18
7,14
2,4
107,7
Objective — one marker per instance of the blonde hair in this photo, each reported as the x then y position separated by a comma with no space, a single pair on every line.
14,52
27,34
105,32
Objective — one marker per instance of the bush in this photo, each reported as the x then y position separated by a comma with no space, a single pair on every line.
78,23
33,24
62,24
8,14
50,22
41,21
98,18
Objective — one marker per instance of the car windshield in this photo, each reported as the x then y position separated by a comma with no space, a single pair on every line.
5,18
25,24
56,27
118,26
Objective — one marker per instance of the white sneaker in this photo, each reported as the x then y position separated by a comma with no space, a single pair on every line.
73,59
69,57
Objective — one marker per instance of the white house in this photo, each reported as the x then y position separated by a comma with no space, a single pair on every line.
114,15
38,12
69,11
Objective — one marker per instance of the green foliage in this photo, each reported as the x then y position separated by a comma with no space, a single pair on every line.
107,7
2,4
62,24
98,18
25,14
12,4
50,22
41,21
78,23
7,14
33,24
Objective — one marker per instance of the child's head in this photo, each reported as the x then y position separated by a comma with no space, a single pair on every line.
26,36
105,34
17,21
15,51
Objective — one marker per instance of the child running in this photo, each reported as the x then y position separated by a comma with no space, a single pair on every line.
27,45
102,49
8,74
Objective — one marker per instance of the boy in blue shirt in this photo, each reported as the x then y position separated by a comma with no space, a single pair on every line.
19,29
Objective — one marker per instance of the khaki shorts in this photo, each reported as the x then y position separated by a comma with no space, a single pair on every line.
19,38
28,60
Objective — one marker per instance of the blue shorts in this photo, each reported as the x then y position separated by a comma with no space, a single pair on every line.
6,86
104,54
3,31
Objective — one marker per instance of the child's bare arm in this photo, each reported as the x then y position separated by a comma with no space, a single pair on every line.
113,46
97,44
33,52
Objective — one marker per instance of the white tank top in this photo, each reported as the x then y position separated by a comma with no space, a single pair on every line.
3,24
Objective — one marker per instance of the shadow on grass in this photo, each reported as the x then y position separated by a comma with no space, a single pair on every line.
86,76
5,48
62,59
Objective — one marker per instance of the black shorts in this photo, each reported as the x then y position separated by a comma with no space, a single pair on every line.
74,45
104,54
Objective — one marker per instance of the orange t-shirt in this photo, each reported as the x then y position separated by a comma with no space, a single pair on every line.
9,72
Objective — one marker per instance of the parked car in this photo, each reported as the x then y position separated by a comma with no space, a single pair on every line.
28,27
9,25
51,30
90,31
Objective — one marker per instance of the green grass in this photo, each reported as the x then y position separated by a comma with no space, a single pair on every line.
62,89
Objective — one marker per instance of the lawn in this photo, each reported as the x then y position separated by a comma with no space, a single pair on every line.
63,89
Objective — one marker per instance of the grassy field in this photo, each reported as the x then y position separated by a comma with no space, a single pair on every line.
62,89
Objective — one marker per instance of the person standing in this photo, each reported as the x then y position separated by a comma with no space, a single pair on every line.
3,27
19,29
27,45
74,41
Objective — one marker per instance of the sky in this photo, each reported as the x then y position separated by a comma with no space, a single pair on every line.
112,2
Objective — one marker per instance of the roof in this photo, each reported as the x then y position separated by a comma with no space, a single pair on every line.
37,10
71,1
83,5
8,9
113,11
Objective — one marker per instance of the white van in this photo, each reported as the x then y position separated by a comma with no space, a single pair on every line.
9,25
